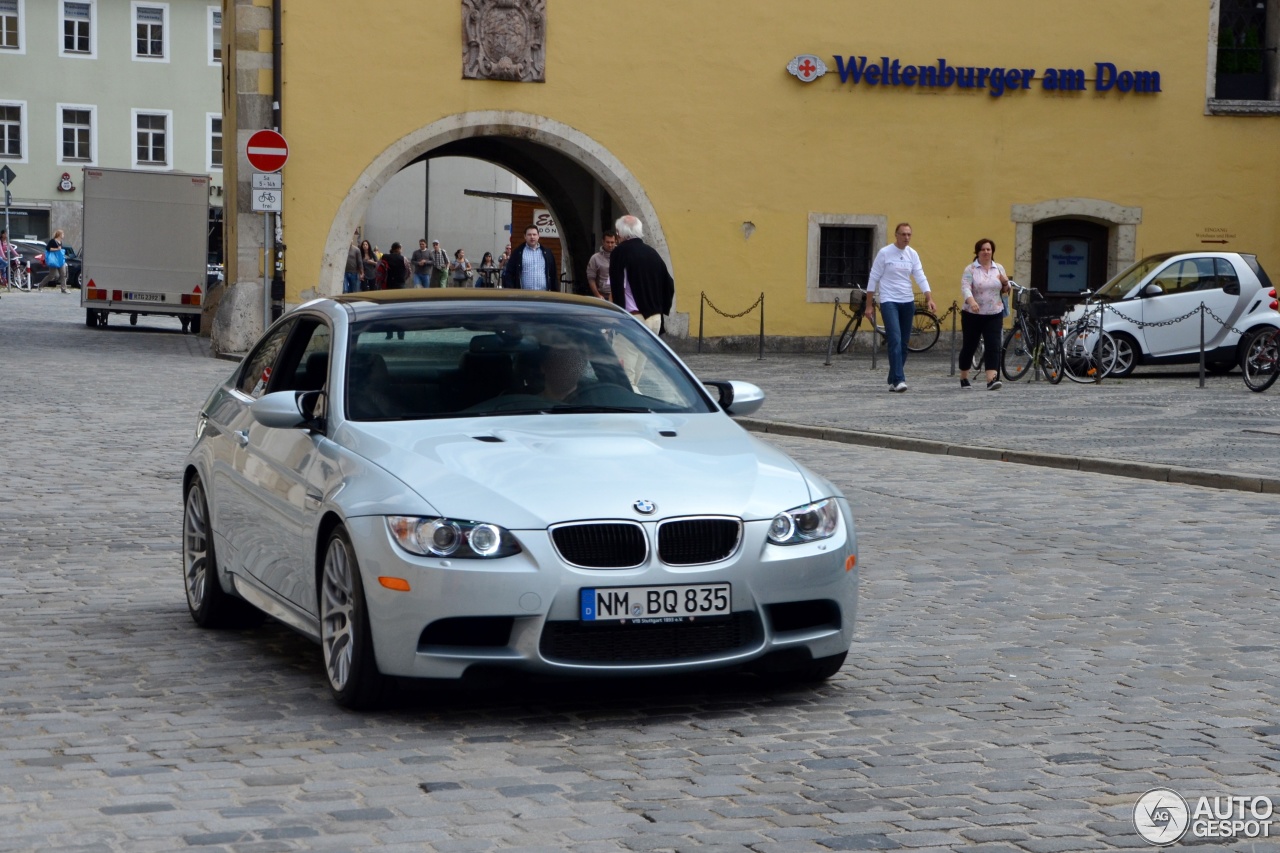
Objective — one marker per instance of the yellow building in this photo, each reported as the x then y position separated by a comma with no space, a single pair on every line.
1078,136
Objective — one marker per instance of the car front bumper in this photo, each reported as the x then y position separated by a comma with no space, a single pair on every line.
522,612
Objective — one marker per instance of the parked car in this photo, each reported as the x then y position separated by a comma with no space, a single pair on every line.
427,482
33,253
1152,309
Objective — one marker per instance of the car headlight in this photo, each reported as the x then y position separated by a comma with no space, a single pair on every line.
807,523
448,537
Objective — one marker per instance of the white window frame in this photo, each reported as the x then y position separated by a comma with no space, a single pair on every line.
879,226
24,128
93,31
22,33
215,34
166,25
93,135
167,166
209,165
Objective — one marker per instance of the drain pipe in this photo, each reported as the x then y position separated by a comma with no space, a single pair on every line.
276,74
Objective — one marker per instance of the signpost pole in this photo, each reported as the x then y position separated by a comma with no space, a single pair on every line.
6,177
268,261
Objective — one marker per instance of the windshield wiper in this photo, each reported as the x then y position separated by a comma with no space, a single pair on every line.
596,409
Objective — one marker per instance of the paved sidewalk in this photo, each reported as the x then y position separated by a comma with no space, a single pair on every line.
1157,424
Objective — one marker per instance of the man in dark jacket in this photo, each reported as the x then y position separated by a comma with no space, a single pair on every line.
397,268
638,276
531,266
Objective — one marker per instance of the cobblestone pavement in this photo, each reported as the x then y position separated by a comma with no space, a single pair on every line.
1036,648
1156,417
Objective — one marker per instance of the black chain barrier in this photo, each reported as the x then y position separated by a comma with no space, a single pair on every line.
758,303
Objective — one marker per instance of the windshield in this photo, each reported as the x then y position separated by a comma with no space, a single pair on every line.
1119,287
508,360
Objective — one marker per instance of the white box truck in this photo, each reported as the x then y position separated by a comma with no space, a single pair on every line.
145,245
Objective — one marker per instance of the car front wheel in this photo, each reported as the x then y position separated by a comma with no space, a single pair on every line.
1127,355
345,636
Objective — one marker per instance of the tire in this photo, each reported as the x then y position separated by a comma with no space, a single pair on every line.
1107,353
210,606
1260,363
925,330
133,319
195,324
1080,362
1015,355
1127,355
1051,358
345,637
850,330
91,318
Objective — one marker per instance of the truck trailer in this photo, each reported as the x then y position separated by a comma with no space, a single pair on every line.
145,245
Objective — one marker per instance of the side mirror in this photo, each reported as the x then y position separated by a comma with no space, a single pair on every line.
737,398
1152,289
289,410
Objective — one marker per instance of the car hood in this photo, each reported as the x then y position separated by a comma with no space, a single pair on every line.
526,472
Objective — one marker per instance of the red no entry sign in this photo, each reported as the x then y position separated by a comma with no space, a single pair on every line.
267,151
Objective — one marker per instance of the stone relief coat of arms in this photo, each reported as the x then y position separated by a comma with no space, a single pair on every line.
504,40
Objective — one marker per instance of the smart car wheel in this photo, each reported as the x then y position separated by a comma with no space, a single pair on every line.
345,637
209,605
1126,355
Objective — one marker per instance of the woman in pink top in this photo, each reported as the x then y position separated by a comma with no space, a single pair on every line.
983,283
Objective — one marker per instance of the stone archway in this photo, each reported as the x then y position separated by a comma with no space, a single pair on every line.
1121,223
561,141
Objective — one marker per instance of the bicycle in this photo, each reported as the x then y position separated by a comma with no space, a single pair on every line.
1260,360
925,326
1088,351
1033,342
19,276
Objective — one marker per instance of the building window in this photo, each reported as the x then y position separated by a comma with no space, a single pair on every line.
152,34
152,139
11,25
12,131
215,35
77,28
844,256
214,151
76,129
841,247
1245,75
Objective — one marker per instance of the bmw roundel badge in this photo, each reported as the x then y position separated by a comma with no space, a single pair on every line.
645,507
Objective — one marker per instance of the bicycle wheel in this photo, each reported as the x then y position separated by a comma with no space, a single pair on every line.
1083,356
1016,355
925,330
1051,356
846,337
1107,352
1260,362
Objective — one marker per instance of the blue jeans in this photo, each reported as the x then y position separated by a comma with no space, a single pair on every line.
422,279
350,282
896,317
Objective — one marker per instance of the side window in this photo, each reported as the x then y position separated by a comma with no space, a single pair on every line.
1184,276
305,364
258,367
1227,278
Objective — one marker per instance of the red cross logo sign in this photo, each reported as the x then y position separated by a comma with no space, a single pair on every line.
806,67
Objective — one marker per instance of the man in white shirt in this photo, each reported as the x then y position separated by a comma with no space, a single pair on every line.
890,285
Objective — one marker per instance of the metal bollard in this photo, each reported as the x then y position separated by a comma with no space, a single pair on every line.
875,341
702,304
953,339
1201,344
831,339
761,355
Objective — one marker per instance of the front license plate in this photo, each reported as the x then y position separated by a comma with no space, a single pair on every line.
145,297
655,603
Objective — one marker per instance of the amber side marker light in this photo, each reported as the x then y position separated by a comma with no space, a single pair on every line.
850,561
398,584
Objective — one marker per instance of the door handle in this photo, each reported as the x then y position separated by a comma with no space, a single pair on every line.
242,436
